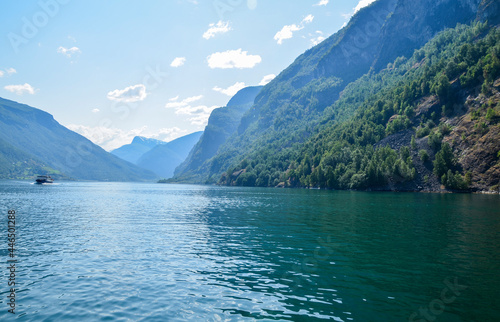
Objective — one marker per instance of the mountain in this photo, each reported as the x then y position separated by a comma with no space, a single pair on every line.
164,158
32,142
133,151
223,122
416,22
16,164
377,105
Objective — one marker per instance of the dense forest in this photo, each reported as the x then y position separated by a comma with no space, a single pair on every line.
419,101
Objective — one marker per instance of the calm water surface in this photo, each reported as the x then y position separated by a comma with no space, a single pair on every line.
151,252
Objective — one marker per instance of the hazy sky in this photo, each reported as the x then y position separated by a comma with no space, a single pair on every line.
113,69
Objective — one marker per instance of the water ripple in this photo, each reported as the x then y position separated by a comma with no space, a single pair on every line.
145,252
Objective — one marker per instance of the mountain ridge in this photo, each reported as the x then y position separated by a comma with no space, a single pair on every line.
36,133
164,158
223,122
133,151
319,96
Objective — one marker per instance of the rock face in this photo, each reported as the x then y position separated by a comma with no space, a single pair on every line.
358,45
476,140
413,23
489,10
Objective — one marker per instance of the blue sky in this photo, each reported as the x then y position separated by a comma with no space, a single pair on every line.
114,69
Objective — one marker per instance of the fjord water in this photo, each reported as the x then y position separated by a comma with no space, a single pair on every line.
151,252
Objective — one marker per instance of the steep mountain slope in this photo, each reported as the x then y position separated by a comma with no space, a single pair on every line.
35,135
16,164
288,109
133,151
223,122
164,158
489,10
426,124
325,120
416,22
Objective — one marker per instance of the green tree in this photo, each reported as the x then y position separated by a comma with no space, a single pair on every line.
490,114
424,156
444,160
413,143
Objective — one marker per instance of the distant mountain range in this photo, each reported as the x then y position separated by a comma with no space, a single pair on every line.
164,158
133,151
158,156
33,143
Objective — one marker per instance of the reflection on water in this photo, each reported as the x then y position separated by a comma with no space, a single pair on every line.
123,251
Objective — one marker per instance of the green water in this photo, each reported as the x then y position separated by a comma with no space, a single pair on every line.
149,252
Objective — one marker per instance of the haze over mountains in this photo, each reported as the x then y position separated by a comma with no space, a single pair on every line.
162,159
133,151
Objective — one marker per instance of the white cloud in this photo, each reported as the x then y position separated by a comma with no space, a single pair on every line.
316,40
113,138
220,27
322,3
195,110
307,19
266,79
231,90
199,113
201,119
96,110
174,98
168,134
233,59
184,102
287,31
130,94
347,16
20,89
9,71
178,62
68,52
362,4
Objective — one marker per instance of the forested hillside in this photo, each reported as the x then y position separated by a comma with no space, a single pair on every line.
422,122
381,104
